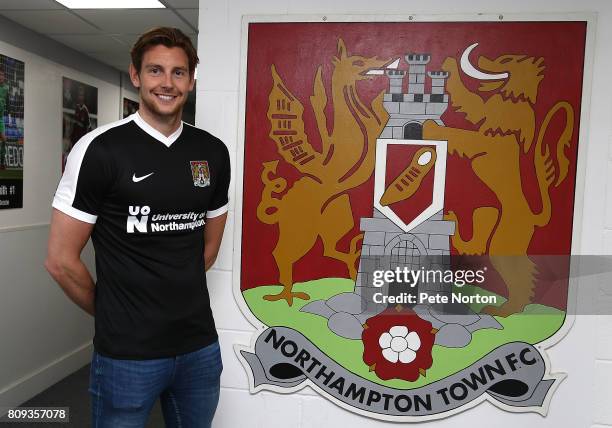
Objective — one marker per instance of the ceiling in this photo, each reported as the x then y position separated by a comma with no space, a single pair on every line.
106,35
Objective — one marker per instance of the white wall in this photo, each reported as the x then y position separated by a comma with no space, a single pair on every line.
583,399
43,336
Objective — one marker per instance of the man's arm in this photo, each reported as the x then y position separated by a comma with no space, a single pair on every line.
213,233
67,238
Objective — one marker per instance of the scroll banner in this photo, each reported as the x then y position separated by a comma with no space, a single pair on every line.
513,374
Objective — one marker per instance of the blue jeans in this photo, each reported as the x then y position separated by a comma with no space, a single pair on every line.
123,392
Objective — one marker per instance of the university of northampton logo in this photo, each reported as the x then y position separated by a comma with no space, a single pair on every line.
200,173
339,237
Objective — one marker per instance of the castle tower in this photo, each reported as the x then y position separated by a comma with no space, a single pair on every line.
408,111
438,100
416,74
396,80
438,79
387,247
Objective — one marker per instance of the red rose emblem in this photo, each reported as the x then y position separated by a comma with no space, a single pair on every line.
397,344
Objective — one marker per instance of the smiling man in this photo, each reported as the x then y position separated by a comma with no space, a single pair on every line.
152,194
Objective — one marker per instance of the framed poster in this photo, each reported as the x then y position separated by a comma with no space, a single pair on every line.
407,210
80,113
12,85
129,107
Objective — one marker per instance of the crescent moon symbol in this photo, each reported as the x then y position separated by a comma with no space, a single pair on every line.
471,71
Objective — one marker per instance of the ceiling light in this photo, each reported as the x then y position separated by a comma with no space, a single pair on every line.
111,4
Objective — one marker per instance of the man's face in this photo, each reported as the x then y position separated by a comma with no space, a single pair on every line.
163,80
1,77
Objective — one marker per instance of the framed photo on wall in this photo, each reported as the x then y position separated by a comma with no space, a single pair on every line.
129,107
406,208
80,113
12,86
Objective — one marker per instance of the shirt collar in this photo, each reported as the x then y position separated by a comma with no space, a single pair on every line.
167,141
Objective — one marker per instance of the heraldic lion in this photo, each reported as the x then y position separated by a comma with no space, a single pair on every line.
506,124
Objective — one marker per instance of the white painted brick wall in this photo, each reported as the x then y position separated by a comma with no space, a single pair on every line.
584,399
238,409
224,259
608,221
603,396
234,376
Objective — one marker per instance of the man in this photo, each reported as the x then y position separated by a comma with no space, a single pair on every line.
4,91
134,187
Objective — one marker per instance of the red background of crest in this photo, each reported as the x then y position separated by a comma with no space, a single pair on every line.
297,49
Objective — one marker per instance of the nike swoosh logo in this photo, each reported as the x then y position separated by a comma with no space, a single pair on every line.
137,179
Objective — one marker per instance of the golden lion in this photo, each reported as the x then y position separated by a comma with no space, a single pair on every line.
506,132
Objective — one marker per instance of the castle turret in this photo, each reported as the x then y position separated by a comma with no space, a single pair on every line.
438,100
416,72
396,79
438,79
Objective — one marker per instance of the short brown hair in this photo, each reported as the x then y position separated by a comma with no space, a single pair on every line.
170,38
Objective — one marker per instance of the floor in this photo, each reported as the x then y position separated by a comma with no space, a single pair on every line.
72,392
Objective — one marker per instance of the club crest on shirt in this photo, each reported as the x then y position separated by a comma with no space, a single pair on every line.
200,173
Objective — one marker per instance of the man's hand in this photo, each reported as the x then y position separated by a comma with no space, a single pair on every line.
67,238
213,233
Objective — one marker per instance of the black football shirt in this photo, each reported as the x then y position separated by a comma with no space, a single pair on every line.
149,197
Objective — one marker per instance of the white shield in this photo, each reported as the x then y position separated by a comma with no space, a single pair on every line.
439,170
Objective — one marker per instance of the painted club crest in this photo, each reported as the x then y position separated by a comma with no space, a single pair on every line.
200,173
397,214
